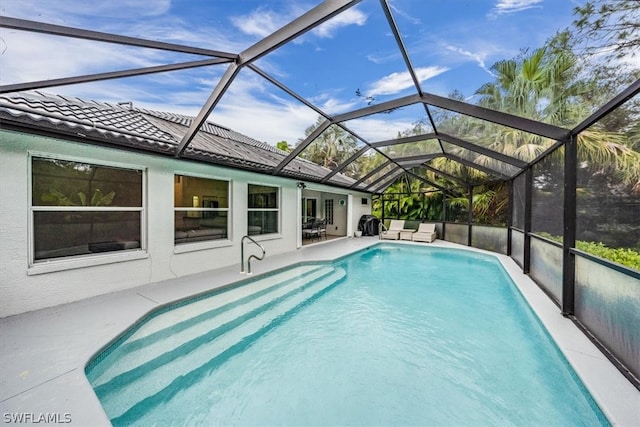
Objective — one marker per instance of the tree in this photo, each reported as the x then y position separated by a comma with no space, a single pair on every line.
331,148
545,85
284,146
612,27
408,199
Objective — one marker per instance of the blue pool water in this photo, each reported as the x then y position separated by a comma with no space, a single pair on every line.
394,335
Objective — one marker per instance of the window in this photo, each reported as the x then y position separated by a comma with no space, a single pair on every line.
201,209
264,209
80,208
328,210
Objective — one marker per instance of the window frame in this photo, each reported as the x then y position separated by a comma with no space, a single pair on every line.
48,265
266,236
204,244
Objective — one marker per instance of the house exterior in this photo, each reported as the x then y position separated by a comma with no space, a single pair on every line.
95,201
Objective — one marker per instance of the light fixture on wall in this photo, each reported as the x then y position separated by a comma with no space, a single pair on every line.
302,185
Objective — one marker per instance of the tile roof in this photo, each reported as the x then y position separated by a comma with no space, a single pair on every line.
157,131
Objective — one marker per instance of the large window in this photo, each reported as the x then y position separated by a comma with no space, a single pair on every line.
201,209
264,209
80,208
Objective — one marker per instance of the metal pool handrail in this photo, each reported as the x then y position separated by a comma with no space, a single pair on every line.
380,228
260,258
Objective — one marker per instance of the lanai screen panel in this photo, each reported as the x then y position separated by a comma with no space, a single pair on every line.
503,139
409,163
81,57
321,78
384,183
608,226
482,160
381,174
414,148
608,181
459,49
428,172
330,149
547,205
144,98
519,201
430,34
250,106
465,174
392,124
362,166
457,210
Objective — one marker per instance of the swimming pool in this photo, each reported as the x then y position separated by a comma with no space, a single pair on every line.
392,335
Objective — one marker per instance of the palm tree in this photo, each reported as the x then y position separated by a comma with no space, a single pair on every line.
331,148
544,85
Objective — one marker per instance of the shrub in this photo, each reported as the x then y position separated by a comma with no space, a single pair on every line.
624,256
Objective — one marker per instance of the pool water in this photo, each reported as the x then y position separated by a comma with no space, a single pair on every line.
394,335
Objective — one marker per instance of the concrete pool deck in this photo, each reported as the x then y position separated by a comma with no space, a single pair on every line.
43,353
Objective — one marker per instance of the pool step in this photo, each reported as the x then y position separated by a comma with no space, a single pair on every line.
178,314
174,327
125,395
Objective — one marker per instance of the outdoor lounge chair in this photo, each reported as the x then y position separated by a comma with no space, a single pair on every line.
393,232
426,233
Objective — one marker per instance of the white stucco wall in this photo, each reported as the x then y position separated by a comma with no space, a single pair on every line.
24,288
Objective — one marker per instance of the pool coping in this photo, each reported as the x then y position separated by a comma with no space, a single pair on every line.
44,353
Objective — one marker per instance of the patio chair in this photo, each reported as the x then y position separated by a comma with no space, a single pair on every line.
314,230
393,232
322,228
426,233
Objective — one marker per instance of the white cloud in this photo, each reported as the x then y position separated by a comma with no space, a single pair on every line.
249,107
175,30
149,19
478,57
383,57
510,6
412,19
351,16
397,82
260,22
335,106
375,129
330,102
265,121
71,12
116,9
31,56
255,108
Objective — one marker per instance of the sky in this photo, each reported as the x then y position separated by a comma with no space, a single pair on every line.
346,63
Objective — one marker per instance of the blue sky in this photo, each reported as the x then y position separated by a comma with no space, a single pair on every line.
452,45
